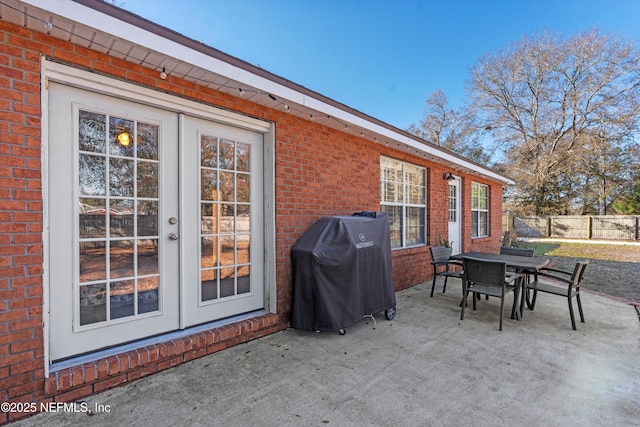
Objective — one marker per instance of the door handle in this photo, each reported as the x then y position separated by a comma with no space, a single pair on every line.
173,236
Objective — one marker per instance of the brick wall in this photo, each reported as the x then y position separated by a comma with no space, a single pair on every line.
319,172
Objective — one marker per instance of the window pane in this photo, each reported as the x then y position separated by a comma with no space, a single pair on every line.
121,218
147,218
92,218
121,299
242,157
147,143
121,258
483,224
390,180
415,184
415,226
474,224
395,224
227,155
147,256
147,179
92,132
93,261
121,177
92,171
209,151
93,306
148,294
117,127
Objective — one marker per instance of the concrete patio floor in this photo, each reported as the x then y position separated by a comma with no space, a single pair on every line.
424,368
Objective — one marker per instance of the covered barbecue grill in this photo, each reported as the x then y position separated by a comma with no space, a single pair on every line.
342,272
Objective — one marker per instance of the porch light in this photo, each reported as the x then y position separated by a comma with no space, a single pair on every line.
448,176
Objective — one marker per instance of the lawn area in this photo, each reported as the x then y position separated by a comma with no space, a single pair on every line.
614,268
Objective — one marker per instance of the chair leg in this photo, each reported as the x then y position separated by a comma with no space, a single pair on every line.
573,320
465,293
433,285
501,310
444,287
533,301
580,307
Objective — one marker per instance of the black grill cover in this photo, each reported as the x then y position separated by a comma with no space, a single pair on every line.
342,272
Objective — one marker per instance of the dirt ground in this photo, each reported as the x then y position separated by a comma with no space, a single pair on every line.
613,270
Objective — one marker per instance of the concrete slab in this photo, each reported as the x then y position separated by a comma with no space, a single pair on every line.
425,367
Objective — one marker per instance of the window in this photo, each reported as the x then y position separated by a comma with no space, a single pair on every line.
479,210
453,203
403,198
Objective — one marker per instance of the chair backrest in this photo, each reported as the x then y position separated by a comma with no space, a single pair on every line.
439,254
578,272
507,250
484,272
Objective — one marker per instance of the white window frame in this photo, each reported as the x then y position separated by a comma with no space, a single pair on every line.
479,206
399,199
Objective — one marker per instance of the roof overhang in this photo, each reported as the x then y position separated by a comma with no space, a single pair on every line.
105,28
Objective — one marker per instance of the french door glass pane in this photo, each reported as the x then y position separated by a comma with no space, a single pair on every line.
118,221
225,201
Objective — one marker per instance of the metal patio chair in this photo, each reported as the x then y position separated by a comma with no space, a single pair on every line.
440,259
509,250
562,283
489,278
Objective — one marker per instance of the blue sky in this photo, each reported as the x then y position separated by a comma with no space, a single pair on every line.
383,58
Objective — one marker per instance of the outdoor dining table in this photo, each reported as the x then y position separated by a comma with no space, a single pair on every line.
521,264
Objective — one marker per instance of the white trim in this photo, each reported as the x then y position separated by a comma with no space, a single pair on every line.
44,150
182,215
269,208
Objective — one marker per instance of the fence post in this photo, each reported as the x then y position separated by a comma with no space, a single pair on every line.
548,226
589,227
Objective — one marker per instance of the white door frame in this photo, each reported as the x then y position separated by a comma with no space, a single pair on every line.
127,91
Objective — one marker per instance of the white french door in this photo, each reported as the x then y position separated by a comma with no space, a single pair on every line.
455,229
155,221
224,259
113,192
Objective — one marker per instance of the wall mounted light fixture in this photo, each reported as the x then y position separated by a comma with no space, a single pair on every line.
448,176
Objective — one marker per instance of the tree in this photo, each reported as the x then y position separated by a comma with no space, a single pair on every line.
449,128
565,113
629,201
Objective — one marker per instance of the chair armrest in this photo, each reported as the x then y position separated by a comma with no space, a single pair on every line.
439,263
512,277
552,276
555,270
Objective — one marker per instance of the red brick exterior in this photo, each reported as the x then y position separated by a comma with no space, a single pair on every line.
319,172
